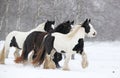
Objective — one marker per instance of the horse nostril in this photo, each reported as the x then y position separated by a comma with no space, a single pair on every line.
94,33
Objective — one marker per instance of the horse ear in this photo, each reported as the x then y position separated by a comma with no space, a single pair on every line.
72,22
86,20
89,20
47,20
68,21
53,22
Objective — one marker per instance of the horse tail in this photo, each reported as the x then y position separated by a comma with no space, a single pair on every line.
40,55
2,56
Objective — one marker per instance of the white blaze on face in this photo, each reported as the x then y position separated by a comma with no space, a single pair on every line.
53,26
92,32
72,26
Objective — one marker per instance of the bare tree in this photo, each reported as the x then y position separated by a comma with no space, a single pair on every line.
24,15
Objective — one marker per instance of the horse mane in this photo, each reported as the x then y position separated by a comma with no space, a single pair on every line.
74,31
63,28
40,27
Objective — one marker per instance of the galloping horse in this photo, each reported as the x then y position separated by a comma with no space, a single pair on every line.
34,41
21,36
69,43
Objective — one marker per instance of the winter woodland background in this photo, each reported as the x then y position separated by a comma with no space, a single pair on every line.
24,15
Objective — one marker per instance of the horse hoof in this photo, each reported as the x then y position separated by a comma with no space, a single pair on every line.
2,63
66,69
25,63
16,55
57,66
6,57
84,64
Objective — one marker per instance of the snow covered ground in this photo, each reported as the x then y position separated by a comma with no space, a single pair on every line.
103,57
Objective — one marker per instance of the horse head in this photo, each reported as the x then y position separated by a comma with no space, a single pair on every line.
49,26
64,27
89,30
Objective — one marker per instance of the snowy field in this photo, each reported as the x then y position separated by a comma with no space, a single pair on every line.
103,57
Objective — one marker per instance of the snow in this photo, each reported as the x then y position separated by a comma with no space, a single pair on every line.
103,58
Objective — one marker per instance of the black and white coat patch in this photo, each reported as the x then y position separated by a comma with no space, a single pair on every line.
79,46
13,43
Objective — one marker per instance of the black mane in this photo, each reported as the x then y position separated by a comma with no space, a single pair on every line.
64,27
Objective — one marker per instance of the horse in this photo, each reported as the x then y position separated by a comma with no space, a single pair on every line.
34,41
70,43
21,36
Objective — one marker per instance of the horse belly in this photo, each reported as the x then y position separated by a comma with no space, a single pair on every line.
61,45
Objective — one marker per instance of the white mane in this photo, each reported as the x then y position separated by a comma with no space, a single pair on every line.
40,27
75,30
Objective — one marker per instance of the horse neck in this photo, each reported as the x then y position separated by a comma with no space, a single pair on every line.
77,32
39,28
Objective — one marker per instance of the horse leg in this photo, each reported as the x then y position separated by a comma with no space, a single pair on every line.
52,53
57,58
64,55
30,56
22,58
65,66
84,60
73,56
6,51
34,55
7,47
16,53
49,64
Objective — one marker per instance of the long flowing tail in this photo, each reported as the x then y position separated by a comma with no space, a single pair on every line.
2,56
40,55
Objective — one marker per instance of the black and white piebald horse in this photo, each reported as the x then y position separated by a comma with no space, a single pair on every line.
70,43
21,36
34,41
